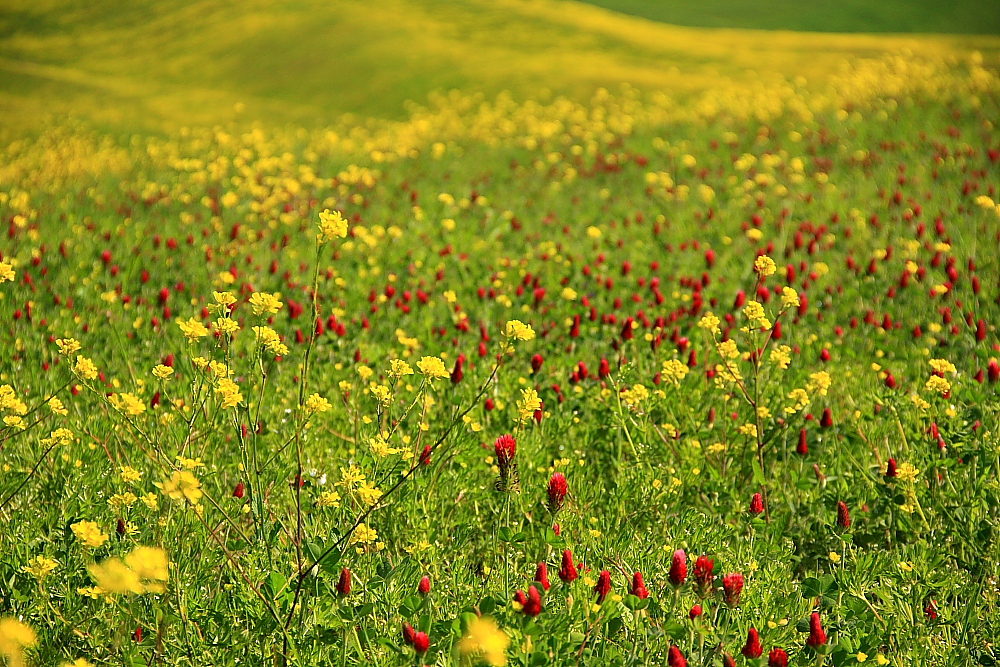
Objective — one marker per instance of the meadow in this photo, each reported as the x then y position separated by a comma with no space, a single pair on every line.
685,375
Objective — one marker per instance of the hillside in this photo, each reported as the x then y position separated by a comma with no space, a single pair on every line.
161,65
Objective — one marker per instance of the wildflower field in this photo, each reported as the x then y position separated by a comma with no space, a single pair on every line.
621,378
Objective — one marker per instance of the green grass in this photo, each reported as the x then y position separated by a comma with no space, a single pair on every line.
976,17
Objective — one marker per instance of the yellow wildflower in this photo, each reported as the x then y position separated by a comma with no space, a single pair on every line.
765,266
789,297
317,404
15,636
262,303
398,368
181,485
518,330
364,534
432,367
192,328
68,346
528,404
674,371
6,272
89,533
937,384
483,637
942,366
85,368
710,323
331,225
40,567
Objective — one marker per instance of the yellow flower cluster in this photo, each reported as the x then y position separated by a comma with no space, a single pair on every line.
68,346
518,330
15,636
398,368
819,382
89,533
316,404
60,436
635,395
528,404
144,570
192,328
728,350
331,226
182,485
764,266
6,272
789,297
937,384
781,356
40,567
673,371
271,341
85,368
433,368
128,404
263,302
754,312
710,323
230,393
942,366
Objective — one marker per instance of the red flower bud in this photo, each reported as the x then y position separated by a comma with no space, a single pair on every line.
827,419
890,469
239,491
678,568
536,363
542,575
817,637
843,515
344,583
732,587
803,447
557,492
568,571
752,649
638,587
777,658
533,605
424,587
695,612
675,658
421,642
603,586
703,576
756,505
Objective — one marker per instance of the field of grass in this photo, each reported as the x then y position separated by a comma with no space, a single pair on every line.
977,17
697,368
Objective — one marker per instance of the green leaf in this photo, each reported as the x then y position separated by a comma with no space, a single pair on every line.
811,588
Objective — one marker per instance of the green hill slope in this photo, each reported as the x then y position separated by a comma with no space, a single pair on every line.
160,65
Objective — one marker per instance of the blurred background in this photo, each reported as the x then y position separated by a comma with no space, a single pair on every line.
158,65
